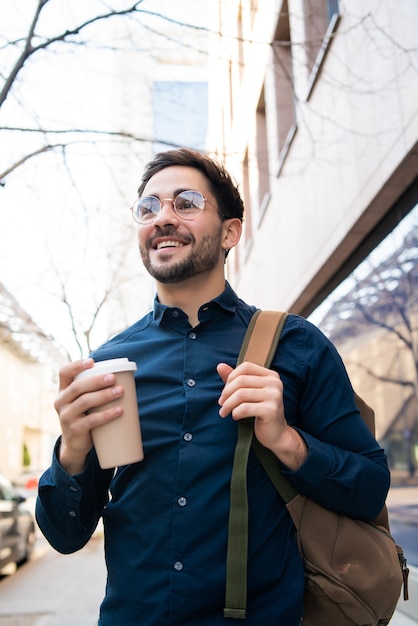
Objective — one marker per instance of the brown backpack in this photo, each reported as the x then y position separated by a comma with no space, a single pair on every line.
354,570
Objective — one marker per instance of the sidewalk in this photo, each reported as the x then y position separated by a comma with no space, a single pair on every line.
56,589
402,495
402,501
400,619
407,611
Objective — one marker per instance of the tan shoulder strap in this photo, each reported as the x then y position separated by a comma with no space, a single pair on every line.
262,336
259,346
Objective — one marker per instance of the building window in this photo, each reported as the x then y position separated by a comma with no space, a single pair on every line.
248,231
240,35
333,8
321,19
372,318
253,9
283,83
173,102
262,155
231,90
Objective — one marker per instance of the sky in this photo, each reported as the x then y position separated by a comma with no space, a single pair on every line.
58,209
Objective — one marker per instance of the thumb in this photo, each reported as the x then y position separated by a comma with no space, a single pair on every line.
224,371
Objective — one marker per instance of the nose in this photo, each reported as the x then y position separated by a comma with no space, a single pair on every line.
167,214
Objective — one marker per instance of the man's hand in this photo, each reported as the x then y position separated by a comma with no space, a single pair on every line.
75,400
255,391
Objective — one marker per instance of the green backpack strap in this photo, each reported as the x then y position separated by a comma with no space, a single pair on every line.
259,346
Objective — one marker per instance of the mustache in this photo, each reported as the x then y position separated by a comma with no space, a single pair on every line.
169,231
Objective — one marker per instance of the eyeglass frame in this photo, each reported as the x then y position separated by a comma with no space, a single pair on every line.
173,201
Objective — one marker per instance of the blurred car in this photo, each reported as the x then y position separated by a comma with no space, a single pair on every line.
28,480
17,526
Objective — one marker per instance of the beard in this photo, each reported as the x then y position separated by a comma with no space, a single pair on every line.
203,258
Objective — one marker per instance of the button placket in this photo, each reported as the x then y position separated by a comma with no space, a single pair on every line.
182,504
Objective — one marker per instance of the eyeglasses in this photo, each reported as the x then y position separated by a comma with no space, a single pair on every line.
188,205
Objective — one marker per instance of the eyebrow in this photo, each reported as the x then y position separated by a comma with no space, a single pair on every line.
176,192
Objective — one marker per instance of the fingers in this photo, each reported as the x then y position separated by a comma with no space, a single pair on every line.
68,372
254,391
250,390
224,371
79,405
86,393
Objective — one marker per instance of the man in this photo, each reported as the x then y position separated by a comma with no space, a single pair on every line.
167,517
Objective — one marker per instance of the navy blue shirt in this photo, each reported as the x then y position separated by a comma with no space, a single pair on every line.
167,517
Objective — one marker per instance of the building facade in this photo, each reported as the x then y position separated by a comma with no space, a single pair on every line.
314,108
29,363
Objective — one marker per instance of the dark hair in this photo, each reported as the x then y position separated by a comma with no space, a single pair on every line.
222,186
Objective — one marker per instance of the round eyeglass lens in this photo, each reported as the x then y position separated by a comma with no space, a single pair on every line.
147,208
189,204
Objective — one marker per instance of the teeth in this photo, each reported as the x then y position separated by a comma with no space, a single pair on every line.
169,244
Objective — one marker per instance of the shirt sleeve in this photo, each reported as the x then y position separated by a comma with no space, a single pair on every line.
346,469
68,508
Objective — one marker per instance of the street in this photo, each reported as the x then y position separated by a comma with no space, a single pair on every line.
66,590
55,589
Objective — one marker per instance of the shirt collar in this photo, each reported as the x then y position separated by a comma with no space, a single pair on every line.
227,300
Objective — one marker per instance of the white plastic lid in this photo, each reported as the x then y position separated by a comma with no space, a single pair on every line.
111,366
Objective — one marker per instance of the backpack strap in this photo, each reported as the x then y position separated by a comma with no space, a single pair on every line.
259,346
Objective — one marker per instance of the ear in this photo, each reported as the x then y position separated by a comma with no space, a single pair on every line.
232,230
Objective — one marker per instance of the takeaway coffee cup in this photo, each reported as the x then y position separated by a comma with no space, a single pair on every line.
118,442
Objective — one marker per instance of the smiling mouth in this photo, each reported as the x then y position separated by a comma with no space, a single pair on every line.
169,244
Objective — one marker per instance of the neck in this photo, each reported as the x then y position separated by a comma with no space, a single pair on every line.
191,294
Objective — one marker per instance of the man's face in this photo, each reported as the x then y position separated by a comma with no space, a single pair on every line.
174,249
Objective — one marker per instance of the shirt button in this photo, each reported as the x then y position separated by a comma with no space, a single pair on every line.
191,382
72,488
182,501
175,313
72,513
187,436
178,565
192,335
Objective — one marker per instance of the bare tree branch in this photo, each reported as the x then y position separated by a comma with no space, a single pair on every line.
25,158
383,297
30,49
27,51
382,377
369,317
